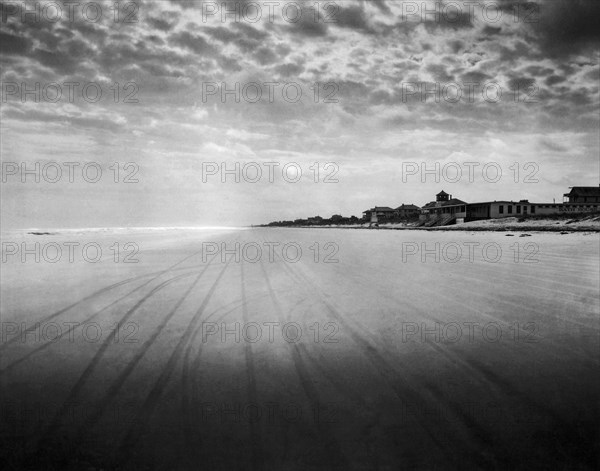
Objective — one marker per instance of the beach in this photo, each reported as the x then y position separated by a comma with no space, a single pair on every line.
261,348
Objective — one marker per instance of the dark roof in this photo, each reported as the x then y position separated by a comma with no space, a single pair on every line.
378,208
442,193
505,202
407,206
584,191
439,204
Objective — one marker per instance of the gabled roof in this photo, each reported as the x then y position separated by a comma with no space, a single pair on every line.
490,202
524,203
584,191
442,193
439,204
382,208
406,207
378,208
453,201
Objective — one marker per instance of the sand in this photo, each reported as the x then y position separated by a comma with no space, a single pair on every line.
370,350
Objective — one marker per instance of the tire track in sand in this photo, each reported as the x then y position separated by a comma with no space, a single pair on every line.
255,437
140,423
405,392
73,328
118,383
330,444
193,440
157,275
55,314
55,423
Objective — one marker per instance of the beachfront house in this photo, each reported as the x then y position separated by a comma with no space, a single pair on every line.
499,209
582,194
444,211
378,213
406,211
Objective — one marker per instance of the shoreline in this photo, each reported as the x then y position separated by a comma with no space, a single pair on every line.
453,228
564,223
490,225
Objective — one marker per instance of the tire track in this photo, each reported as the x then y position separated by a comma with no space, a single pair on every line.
335,459
70,330
140,423
192,439
118,383
63,310
406,393
156,275
89,319
255,436
374,416
55,424
478,370
56,421
343,390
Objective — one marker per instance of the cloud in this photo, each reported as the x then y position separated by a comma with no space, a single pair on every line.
265,56
306,26
193,42
289,69
568,27
352,17
13,45
369,53
381,4
166,22
491,30
554,79
439,73
521,83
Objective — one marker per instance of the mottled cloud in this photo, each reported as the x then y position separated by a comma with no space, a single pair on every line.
354,73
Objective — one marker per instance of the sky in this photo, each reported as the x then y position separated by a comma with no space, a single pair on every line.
137,108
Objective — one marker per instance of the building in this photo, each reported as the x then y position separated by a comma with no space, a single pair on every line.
443,211
446,210
378,213
406,211
499,209
583,194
